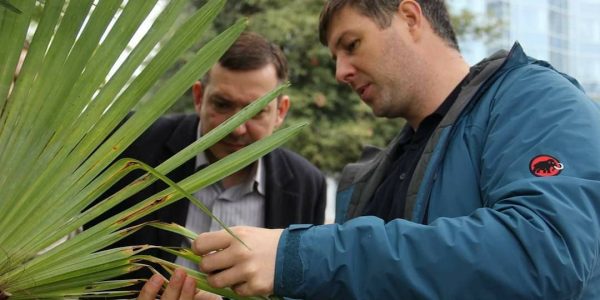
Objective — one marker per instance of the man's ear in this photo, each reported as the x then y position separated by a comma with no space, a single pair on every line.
410,12
197,93
282,108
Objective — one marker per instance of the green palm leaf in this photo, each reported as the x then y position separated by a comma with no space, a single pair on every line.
68,116
9,6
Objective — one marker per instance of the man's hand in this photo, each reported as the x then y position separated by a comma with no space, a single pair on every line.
228,263
181,287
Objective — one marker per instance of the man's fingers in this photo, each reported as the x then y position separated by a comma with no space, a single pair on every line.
151,288
204,295
225,278
181,287
173,290
217,261
242,290
208,242
189,288
229,263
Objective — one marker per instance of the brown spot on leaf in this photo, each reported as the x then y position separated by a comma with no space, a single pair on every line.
141,179
143,209
131,163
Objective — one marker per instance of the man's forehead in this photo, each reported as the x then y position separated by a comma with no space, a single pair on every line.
241,93
333,27
342,22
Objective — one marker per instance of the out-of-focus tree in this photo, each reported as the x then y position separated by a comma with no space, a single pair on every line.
468,24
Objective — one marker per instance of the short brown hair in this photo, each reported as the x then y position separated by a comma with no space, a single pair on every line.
252,51
381,11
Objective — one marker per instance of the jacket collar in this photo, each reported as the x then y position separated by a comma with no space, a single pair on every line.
484,75
279,177
184,134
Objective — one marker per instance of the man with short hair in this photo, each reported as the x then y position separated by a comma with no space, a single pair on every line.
280,189
491,191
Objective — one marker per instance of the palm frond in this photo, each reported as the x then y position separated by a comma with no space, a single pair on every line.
68,116
9,6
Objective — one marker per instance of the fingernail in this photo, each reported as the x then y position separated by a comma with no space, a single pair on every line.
176,276
156,280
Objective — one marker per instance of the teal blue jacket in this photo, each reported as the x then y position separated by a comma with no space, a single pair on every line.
504,204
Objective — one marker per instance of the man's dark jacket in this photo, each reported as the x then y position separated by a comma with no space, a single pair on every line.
295,189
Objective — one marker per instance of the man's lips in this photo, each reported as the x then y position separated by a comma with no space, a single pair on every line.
233,144
362,91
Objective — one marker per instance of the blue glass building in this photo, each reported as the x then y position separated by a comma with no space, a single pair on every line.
564,32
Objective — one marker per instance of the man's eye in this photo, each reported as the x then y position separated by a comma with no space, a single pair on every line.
260,114
352,45
221,105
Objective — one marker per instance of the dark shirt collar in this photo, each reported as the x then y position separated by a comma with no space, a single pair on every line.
389,199
430,122
443,109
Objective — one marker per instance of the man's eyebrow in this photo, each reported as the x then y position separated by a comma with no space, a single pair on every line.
219,97
337,44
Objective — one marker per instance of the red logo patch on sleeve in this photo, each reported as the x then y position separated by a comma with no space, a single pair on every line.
545,165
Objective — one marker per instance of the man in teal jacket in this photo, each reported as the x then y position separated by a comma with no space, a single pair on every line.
492,191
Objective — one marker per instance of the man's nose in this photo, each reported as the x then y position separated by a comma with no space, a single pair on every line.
344,71
240,130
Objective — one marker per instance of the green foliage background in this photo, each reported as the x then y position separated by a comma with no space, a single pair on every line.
340,124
